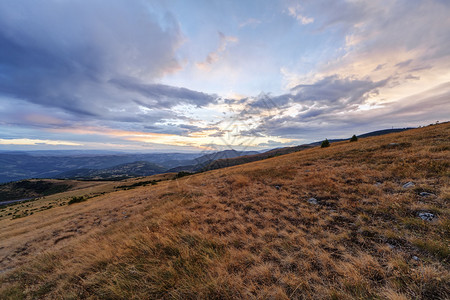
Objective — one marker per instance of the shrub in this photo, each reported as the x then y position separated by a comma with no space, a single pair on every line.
76,200
354,138
325,144
182,174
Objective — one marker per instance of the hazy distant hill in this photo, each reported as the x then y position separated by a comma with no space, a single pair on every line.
201,162
222,155
48,164
134,169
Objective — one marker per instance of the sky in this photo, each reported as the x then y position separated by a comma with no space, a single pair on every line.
154,76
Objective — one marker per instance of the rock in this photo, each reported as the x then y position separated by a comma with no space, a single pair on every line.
312,201
426,194
415,258
426,216
278,187
408,185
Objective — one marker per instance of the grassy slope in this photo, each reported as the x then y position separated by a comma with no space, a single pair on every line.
32,227
248,231
228,162
31,189
44,202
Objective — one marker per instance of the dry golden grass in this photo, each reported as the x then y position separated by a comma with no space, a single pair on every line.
249,232
48,223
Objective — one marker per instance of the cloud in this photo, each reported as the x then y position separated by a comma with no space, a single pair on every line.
160,95
308,108
403,64
273,144
379,67
389,57
266,102
214,56
74,56
250,22
412,77
333,89
295,11
36,142
314,122
329,91
217,134
385,34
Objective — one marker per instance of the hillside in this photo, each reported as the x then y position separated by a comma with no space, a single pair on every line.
228,162
218,161
364,135
362,220
31,189
200,163
129,170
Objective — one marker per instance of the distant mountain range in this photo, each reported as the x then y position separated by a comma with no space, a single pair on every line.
108,165
23,165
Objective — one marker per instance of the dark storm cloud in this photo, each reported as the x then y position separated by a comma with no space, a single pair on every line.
69,54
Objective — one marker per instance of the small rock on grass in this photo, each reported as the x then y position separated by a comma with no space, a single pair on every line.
426,216
408,185
312,201
426,194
